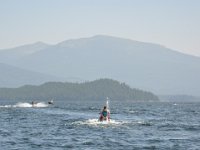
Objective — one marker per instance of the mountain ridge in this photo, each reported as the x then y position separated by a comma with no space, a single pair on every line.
143,65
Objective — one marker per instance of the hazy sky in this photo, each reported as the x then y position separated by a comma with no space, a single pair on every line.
172,23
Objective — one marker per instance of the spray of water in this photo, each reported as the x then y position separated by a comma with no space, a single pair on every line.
26,105
107,103
108,108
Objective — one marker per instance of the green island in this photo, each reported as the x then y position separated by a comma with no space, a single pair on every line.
93,90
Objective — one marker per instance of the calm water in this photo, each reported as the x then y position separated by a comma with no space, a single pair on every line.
74,125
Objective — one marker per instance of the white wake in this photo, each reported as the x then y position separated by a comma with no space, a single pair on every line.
96,122
25,105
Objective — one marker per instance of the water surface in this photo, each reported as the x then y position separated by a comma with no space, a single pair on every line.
74,125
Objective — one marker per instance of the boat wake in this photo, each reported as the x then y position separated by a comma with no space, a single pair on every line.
39,104
25,105
96,122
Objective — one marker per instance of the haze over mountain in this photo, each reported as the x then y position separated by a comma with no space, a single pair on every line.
142,65
14,54
11,76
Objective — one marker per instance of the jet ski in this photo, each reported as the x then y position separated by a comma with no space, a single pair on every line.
105,113
104,118
34,103
50,102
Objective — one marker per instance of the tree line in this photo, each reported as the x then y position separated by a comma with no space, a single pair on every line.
94,90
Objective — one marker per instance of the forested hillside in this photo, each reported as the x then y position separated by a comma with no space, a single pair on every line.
95,90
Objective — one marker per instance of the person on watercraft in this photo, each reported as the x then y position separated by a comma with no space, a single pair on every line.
105,114
33,103
50,102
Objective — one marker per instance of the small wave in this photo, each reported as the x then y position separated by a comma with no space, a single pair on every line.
144,123
132,112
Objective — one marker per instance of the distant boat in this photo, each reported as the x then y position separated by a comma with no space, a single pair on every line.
34,103
50,102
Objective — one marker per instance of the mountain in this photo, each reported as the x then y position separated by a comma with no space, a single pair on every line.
10,56
143,65
11,76
95,90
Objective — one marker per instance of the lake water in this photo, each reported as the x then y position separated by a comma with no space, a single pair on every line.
74,125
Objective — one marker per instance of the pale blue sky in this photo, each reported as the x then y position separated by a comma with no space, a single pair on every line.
172,23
